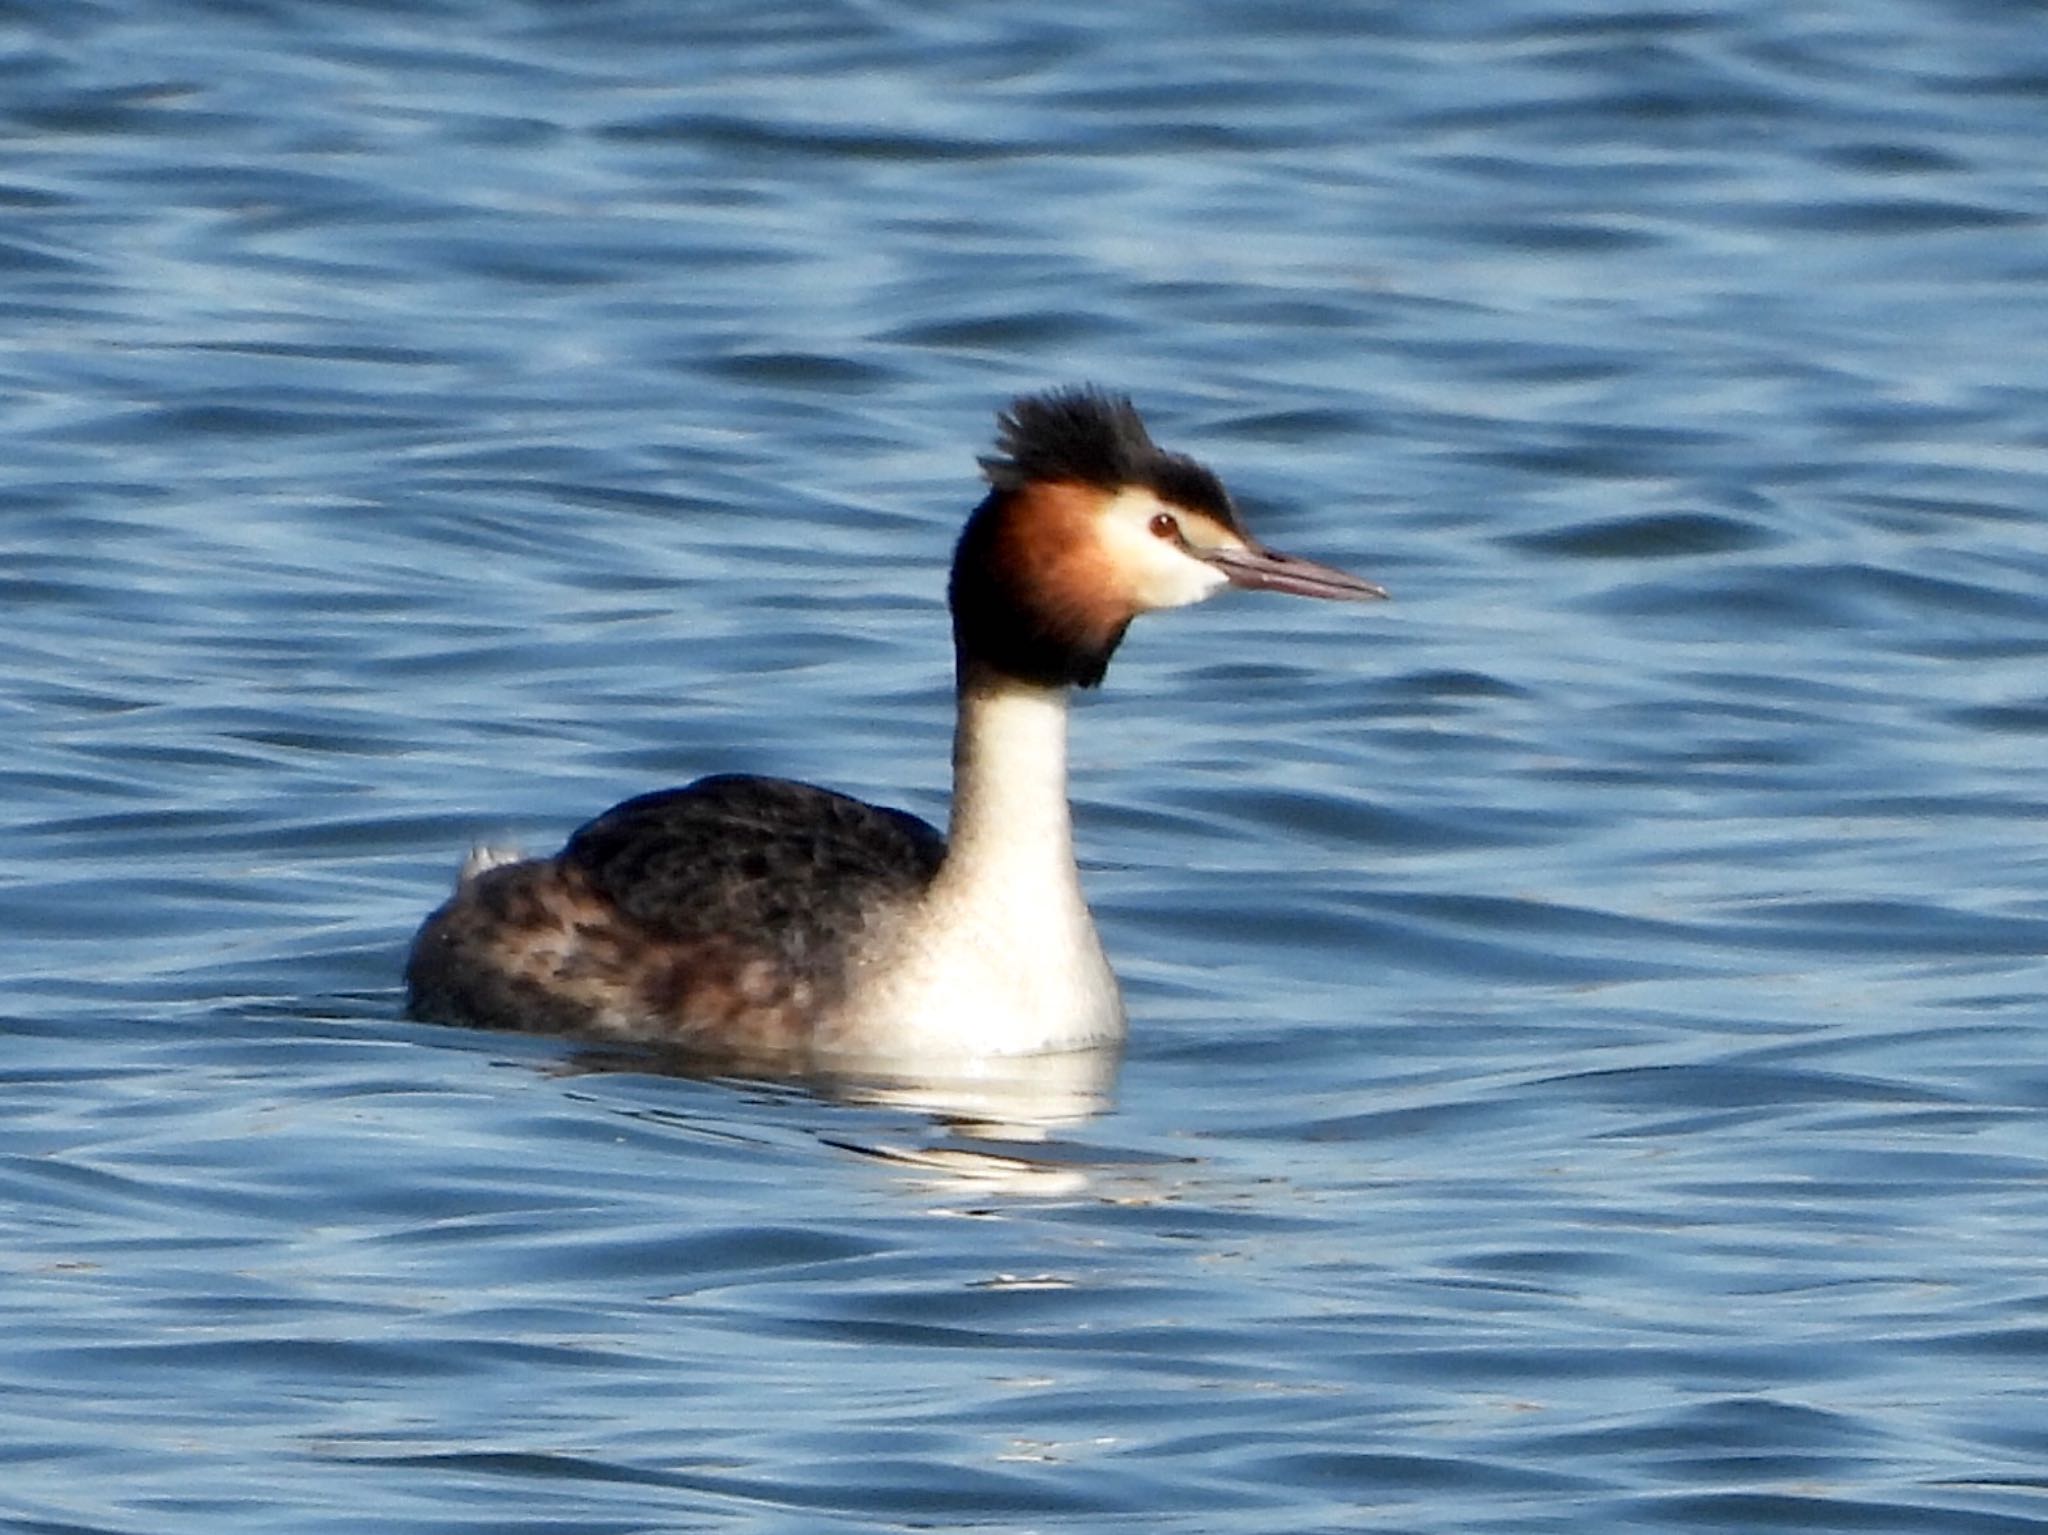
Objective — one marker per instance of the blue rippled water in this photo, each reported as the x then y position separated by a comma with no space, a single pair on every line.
1588,1066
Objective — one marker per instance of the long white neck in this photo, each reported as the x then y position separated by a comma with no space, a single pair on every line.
1012,828
1009,889
1001,956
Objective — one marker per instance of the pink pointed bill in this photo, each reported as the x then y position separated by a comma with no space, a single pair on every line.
1268,570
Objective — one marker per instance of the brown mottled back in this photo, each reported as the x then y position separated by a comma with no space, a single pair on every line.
725,911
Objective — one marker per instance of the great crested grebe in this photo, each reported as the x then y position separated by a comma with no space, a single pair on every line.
768,921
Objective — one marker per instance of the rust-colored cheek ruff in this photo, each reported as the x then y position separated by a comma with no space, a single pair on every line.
1034,595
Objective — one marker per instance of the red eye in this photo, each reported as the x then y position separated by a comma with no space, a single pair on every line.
1163,526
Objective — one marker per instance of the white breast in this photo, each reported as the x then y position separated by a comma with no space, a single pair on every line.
1001,956
970,975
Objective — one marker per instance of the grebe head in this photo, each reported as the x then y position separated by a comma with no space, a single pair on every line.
1086,525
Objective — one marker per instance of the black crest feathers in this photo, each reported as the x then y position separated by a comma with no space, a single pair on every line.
1081,434
1089,436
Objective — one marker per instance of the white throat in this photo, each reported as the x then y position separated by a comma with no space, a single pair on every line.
1001,957
1011,825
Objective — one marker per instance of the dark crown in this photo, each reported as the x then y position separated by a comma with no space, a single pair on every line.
1092,437
1081,434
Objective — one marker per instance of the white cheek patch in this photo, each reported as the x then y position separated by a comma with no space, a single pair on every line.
1151,571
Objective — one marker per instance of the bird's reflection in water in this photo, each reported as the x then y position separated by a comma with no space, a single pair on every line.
997,1120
